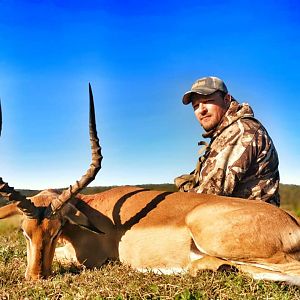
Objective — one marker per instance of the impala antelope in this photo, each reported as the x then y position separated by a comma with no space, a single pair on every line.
154,230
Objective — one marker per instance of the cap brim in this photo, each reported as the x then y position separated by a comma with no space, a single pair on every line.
186,99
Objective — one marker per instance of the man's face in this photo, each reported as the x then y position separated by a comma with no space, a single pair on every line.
210,109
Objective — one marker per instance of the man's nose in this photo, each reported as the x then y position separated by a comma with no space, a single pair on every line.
202,108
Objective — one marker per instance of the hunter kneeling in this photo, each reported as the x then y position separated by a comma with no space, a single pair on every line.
240,160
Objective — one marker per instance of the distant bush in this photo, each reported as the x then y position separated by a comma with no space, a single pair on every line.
290,197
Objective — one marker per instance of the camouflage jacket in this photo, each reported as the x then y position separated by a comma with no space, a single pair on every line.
240,160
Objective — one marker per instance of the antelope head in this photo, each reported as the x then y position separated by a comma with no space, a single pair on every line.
46,213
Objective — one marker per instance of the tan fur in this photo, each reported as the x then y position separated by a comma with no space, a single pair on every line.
9,210
166,231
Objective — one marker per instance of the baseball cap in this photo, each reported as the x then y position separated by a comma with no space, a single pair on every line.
205,86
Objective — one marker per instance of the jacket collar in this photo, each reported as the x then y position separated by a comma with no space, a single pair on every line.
235,112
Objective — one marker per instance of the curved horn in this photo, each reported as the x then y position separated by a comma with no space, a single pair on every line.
24,204
95,165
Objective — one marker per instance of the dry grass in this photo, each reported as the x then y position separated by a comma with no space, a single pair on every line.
116,281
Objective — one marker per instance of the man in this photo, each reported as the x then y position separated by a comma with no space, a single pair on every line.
240,160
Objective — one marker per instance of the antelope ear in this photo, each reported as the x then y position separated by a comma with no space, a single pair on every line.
9,210
76,217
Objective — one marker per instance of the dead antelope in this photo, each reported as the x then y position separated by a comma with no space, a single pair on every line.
154,230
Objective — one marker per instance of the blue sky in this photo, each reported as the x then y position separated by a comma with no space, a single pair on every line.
140,57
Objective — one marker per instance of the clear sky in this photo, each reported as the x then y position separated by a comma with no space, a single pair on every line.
140,57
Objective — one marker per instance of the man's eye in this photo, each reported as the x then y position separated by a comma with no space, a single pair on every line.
195,107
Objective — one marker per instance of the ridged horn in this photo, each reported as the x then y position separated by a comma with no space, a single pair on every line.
9,193
24,204
95,165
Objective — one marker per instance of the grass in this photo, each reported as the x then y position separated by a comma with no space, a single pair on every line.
116,281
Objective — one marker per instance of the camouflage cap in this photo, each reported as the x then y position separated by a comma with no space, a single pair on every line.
205,86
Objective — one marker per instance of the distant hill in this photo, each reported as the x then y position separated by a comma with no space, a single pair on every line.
289,193
290,197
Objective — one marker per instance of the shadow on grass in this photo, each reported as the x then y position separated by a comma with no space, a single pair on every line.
63,269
